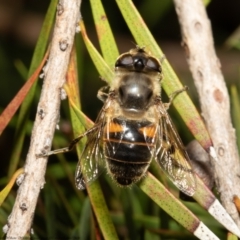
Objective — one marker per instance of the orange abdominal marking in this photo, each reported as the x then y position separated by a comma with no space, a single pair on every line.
114,127
149,131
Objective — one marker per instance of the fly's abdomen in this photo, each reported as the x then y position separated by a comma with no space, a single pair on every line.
128,149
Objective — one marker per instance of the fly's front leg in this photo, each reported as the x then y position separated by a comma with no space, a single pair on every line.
70,147
173,95
162,59
102,94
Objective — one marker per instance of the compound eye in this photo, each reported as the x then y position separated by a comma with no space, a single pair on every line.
149,95
125,60
121,93
153,65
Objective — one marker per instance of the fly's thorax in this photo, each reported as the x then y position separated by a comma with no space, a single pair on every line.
135,91
153,77
115,110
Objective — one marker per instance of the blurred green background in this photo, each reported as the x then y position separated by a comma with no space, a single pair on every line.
20,24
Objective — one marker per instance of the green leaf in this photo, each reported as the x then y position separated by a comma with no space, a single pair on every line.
105,36
160,195
231,236
4,193
236,112
102,67
94,190
84,226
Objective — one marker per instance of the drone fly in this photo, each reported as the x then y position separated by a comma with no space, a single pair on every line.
133,128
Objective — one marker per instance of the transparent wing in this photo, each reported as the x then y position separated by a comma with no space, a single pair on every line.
172,156
92,162
115,132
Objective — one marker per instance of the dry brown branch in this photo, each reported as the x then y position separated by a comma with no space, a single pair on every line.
22,214
214,99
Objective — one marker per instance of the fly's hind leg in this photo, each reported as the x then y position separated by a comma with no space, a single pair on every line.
70,147
173,95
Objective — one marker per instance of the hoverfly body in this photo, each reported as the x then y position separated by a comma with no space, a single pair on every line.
133,129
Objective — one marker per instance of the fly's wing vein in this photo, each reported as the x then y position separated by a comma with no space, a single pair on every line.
172,156
91,163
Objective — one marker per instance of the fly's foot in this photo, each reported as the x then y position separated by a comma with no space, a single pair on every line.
43,154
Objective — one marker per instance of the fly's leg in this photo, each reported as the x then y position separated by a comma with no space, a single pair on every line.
102,95
162,59
71,145
173,95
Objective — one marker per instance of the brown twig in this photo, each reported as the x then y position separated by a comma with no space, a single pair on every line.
22,214
214,99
